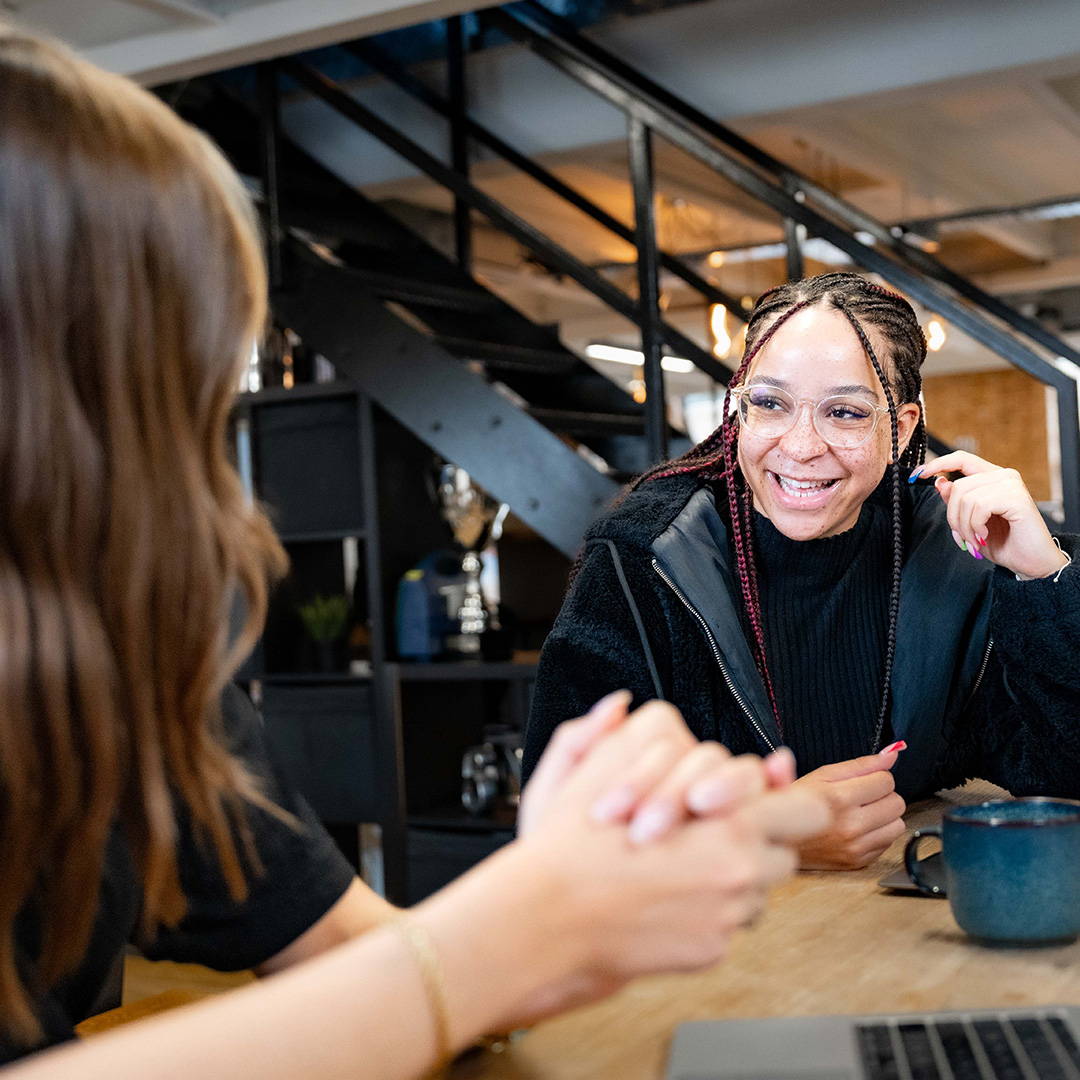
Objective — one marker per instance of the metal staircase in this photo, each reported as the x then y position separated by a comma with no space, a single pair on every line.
327,241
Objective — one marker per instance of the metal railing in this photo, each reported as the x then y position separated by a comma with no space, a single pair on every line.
798,200
650,110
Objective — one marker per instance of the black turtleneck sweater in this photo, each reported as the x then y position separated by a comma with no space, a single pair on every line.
825,612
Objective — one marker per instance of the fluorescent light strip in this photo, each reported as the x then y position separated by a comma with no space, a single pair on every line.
616,355
1058,212
815,248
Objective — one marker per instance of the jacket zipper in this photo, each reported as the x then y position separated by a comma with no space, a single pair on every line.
716,652
982,672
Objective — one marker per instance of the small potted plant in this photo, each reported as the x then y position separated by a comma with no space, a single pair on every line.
325,619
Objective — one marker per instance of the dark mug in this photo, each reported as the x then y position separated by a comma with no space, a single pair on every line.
1012,869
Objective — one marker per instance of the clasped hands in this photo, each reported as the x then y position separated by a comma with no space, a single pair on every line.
655,848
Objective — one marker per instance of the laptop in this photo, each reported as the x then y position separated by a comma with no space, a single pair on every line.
1013,1044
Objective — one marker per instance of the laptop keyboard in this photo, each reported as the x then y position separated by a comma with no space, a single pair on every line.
1013,1048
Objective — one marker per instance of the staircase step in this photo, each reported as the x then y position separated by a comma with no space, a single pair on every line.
584,424
501,356
460,415
409,291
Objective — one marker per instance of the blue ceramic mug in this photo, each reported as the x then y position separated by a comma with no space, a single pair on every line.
1012,869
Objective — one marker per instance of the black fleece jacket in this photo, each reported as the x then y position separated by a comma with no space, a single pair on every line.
986,679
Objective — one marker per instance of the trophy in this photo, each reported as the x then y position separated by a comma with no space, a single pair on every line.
475,519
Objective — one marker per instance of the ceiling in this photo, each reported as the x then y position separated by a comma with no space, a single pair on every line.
911,110
156,41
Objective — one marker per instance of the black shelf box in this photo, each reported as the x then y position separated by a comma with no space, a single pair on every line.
307,454
324,737
438,856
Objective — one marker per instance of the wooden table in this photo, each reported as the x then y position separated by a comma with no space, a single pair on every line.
829,943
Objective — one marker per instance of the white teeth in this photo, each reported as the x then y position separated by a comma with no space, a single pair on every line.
802,488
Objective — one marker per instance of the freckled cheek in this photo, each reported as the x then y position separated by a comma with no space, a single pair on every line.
865,464
752,454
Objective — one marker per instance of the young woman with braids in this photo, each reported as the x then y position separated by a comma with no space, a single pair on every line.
792,581
138,797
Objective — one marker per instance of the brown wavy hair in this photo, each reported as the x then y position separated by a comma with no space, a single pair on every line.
131,288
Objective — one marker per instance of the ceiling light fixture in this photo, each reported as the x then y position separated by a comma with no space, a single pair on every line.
718,329
677,365
935,335
815,249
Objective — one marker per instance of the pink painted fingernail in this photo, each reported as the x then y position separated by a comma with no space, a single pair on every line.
959,540
897,746
940,480
622,697
613,805
652,822
710,795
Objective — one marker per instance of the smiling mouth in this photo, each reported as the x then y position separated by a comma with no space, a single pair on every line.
802,489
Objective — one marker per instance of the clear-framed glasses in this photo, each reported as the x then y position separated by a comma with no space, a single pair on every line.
843,420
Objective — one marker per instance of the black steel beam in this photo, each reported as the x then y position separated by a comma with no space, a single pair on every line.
794,255
641,177
374,57
459,136
557,257
388,736
1020,211
270,145
552,488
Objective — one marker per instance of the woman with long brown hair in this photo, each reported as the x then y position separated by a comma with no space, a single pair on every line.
138,800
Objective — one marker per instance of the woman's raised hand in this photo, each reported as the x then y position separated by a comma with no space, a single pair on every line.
992,513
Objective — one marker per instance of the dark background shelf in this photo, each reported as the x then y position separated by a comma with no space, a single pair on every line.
316,678
385,748
466,670
327,534
457,818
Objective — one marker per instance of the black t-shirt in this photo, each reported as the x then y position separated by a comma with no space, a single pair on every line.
303,876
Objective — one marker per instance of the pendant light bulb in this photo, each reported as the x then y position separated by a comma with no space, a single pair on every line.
935,335
718,327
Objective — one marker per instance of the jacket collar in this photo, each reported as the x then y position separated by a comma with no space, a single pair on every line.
693,553
943,625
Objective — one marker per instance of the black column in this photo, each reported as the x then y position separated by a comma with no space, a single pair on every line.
459,135
641,175
270,132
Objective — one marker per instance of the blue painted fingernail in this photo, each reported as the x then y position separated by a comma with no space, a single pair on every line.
914,476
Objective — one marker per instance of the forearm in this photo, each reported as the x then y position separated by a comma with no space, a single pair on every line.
1036,630
359,1010
359,911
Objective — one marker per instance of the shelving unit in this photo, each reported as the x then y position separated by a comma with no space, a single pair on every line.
384,748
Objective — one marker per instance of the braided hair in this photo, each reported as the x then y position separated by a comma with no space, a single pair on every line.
715,459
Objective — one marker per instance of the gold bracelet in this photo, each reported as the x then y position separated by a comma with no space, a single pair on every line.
427,961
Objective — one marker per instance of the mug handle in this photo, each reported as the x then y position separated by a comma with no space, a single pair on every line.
911,860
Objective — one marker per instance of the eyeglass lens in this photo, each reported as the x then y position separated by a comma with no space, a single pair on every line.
842,421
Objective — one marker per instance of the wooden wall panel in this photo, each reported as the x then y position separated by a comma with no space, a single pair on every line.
999,415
